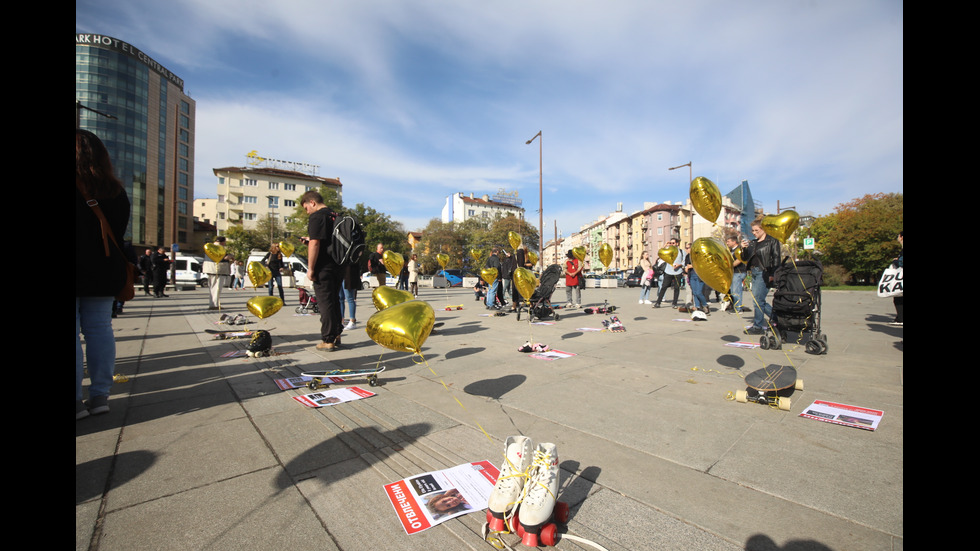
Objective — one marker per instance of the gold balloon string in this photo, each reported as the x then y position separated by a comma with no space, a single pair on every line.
445,386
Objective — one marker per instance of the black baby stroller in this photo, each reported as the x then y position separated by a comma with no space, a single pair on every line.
540,303
796,306
307,302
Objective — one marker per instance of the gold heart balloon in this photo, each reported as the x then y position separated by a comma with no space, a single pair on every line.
258,273
286,248
605,254
515,240
476,254
706,198
393,262
579,253
781,226
489,275
403,327
532,257
263,306
525,282
386,297
668,254
737,254
443,259
713,263
214,251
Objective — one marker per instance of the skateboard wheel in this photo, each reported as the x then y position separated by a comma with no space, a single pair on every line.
799,384
783,403
741,396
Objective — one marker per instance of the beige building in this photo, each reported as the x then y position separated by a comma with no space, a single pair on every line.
248,194
460,207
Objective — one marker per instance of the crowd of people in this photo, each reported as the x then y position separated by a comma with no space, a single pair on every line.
104,261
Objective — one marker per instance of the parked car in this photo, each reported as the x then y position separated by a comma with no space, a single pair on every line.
633,280
369,280
454,277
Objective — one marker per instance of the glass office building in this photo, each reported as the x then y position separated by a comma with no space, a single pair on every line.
139,110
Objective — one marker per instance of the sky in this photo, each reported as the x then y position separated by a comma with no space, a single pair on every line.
409,101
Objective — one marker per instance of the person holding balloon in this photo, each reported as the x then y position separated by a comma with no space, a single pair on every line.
738,272
275,262
762,257
217,268
673,273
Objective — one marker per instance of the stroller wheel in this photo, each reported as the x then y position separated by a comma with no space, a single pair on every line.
299,309
556,316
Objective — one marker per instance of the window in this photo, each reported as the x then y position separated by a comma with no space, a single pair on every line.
660,216
273,185
289,187
250,200
249,182
273,202
221,181
288,203
249,216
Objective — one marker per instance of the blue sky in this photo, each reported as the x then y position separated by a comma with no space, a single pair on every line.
408,101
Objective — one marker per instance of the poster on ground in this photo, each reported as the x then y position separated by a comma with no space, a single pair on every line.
843,414
428,499
333,397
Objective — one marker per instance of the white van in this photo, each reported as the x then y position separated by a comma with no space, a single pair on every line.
296,264
188,272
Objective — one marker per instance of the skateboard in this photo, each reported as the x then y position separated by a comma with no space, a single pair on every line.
454,307
223,335
319,376
770,385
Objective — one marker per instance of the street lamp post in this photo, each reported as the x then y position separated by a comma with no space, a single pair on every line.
540,199
690,178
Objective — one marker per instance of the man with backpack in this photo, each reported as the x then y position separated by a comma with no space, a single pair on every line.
324,272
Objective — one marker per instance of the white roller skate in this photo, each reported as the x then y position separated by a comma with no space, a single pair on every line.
506,495
540,497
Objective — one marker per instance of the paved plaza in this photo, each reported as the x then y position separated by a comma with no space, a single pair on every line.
202,451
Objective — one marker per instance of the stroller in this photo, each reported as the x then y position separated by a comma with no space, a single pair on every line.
540,303
307,302
796,305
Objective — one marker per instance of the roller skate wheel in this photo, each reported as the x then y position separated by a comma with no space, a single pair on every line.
561,512
549,534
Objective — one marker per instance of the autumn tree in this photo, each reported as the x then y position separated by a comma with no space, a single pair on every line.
860,235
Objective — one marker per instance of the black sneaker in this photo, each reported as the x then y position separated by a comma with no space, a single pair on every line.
754,331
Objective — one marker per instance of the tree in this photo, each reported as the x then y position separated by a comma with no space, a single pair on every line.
457,239
861,234
241,242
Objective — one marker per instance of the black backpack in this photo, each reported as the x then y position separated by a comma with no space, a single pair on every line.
348,240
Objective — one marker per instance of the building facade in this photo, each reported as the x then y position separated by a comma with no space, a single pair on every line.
248,194
138,108
460,207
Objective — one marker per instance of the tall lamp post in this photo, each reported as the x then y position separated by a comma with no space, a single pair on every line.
540,199
690,178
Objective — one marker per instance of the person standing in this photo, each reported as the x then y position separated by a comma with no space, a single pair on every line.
507,266
145,265
673,273
493,262
348,294
762,256
324,273
899,301
274,260
161,270
738,274
99,269
646,278
573,273
413,275
376,264
217,273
